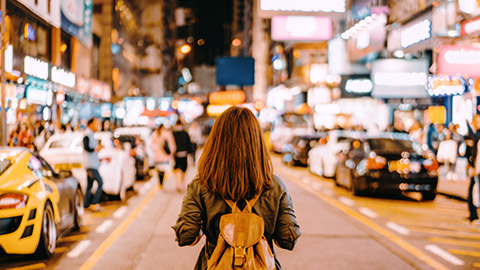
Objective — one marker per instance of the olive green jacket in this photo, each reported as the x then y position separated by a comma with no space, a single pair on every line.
202,209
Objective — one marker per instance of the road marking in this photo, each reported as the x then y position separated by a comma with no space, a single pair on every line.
368,212
465,252
104,226
476,264
444,255
317,186
61,249
79,249
346,201
374,226
399,229
466,235
120,212
306,181
72,238
454,242
328,192
98,253
30,267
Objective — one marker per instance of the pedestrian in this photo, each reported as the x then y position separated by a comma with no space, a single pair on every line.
447,154
25,137
183,148
163,147
235,168
473,165
91,163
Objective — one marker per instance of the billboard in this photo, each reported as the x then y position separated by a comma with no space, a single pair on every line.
459,59
270,8
301,28
399,78
235,71
76,19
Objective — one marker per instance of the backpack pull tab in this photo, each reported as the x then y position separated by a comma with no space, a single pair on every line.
239,254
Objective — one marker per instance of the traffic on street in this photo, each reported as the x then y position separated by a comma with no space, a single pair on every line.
239,134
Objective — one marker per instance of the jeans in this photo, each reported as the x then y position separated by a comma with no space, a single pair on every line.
471,207
93,175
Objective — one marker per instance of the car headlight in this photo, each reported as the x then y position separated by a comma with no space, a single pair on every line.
13,200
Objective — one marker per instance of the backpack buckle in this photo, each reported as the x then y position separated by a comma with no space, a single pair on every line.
239,256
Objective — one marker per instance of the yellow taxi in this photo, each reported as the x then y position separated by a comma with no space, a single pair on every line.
37,204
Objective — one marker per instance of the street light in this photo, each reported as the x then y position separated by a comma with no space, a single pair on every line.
185,48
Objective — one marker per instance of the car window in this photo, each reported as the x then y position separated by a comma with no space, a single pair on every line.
4,165
391,146
47,171
35,166
60,144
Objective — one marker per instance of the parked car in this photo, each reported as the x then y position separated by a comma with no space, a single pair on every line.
296,151
322,159
139,140
389,163
37,204
286,127
117,168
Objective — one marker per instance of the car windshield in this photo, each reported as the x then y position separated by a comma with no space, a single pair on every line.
4,164
391,146
61,143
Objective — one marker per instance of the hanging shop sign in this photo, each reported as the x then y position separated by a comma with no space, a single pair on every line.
64,77
444,85
459,59
395,78
359,86
469,6
413,36
416,33
227,97
96,89
35,67
76,19
470,27
270,8
38,92
301,28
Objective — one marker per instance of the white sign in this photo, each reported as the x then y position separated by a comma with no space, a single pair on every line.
468,6
462,56
62,76
416,33
35,67
363,40
269,8
39,96
400,78
359,86
9,58
472,27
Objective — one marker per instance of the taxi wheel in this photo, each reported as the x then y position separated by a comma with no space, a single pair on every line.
79,209
48,236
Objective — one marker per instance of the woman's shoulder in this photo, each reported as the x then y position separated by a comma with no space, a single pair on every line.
278,186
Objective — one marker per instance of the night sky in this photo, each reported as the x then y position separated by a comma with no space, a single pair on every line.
212,17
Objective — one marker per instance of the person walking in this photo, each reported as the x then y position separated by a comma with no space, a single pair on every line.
163,147
235,169
183,148
91,163
473,165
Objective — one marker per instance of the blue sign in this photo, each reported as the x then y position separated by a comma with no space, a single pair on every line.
235,71
76,19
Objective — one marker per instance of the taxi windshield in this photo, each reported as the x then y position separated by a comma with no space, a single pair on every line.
4,164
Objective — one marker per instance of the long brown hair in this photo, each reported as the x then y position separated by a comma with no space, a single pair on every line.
235,162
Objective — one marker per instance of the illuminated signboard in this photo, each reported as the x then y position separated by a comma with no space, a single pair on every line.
416,33
459,59
468,6
399,78
359,86
306,28
62,76
471,26
269,8
35,67
445,85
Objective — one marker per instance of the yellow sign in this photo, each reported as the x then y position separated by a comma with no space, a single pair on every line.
437,114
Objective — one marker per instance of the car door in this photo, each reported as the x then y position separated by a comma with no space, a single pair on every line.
65,204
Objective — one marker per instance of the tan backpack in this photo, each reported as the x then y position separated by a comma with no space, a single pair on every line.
241,243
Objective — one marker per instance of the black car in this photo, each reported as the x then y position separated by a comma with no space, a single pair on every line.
296,151
390,163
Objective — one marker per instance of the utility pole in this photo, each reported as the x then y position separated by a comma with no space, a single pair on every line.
3,114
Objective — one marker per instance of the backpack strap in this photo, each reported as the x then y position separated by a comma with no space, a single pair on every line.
248,206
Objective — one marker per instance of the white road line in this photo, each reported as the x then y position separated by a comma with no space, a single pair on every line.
306,181
104,226
328,192
316,186
79,249
346,201
120,212
368,212
399,229
444,255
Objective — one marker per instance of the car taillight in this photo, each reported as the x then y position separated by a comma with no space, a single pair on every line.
13,200
431,165
375,162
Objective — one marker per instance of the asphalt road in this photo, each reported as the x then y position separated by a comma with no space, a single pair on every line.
340,231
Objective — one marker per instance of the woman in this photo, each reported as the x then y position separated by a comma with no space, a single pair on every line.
235,166
163,147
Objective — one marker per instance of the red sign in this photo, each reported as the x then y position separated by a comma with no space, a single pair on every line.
471,26
459,60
